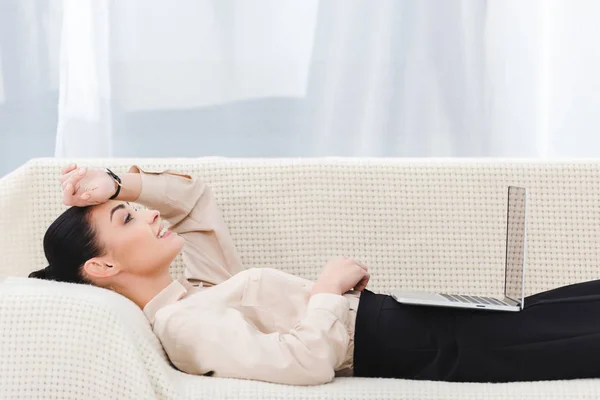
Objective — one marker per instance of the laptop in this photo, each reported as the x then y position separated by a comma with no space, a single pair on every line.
514,269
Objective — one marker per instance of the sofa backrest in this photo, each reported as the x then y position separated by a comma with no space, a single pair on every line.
417,223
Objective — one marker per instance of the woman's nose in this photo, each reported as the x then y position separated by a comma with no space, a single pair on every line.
153,215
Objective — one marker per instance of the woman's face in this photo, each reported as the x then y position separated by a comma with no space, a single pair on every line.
131,240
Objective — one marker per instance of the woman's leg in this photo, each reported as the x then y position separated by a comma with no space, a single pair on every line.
556,336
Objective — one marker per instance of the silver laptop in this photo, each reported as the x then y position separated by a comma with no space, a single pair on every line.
514,274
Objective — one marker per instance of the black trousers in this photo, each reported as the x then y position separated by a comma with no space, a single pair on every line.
556,336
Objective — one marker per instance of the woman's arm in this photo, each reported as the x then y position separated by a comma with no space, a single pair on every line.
224,342
188,205
131,186
221,339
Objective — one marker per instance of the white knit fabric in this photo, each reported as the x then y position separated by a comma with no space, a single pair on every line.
417,223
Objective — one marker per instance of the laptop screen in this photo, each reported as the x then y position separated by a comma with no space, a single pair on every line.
515,243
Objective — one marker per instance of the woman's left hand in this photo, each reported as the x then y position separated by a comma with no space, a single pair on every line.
362,284
85,186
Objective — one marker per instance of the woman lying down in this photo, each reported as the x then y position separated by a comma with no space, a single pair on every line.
264,324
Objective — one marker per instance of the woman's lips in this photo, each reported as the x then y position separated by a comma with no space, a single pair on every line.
167,234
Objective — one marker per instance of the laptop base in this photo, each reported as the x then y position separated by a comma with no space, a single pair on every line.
454,301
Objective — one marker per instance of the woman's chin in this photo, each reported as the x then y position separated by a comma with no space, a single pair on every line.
176,242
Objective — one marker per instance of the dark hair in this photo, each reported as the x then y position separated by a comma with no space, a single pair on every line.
69,242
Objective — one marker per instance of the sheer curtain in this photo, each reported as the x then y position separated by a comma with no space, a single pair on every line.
301,78
183,68
29,52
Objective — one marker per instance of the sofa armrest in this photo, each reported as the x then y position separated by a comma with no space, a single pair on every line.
77,340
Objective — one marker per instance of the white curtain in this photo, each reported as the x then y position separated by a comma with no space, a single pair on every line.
303,78
119,59
29,46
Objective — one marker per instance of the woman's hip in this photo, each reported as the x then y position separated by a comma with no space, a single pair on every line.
440,343
397,340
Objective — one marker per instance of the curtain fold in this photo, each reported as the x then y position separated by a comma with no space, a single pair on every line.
418,78
29,43
203,53
399,78
84,106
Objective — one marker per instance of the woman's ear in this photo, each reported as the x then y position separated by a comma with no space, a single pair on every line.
99,268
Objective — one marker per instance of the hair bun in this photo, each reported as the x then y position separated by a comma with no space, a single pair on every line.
39,274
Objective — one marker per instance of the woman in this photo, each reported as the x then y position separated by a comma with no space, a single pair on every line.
267,325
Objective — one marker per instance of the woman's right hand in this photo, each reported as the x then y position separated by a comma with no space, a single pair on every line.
340,275
85,186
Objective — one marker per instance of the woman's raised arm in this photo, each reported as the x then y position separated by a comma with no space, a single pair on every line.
189,206
186,203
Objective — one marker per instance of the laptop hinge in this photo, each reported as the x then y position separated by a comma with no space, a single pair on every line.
511,301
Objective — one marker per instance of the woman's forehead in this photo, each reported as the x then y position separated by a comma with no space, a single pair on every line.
102,213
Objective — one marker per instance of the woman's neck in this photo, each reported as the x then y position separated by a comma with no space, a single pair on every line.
142,289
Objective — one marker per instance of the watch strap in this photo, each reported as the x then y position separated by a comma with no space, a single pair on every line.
117,180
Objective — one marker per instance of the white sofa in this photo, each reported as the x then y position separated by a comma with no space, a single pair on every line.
420,223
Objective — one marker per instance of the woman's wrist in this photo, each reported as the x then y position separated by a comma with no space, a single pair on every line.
323,287
131,186
116,183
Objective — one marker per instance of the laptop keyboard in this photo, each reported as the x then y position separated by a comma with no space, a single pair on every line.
474,299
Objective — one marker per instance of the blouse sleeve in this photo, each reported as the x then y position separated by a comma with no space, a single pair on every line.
223,343
189,206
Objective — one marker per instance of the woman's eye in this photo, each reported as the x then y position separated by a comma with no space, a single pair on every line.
128,218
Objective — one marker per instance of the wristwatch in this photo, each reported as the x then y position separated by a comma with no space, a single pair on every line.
117,180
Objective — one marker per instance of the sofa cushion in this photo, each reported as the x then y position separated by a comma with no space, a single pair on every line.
68,341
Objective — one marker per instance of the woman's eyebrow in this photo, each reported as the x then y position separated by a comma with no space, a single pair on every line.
120,206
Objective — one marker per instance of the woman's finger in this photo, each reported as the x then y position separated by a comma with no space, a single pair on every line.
366,280
87,195
75,177
66,176
73,173
363,266
68,168
362,284
67,195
